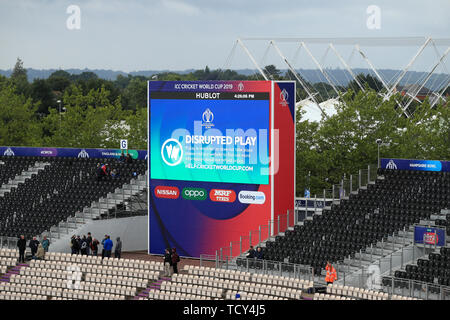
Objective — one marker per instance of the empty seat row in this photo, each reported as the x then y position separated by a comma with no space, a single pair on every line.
8,261
12,253
124,263
247,276
56,285
239,295
323,296
192,289
21,296
357,293
166,295
119,280
98,269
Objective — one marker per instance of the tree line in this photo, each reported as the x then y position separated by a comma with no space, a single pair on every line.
67,110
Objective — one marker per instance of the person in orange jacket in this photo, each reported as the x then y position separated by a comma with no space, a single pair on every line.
331,273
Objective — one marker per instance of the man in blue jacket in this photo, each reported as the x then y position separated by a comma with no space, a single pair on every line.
107,246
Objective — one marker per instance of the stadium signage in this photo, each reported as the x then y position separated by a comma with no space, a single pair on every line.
429,235
167,192
252,197
69,152
416,165
194,194
220,195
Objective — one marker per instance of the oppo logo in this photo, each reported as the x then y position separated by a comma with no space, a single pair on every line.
219,195
252,197
194,194
167,192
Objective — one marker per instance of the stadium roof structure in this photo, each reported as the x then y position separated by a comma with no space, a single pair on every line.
358,46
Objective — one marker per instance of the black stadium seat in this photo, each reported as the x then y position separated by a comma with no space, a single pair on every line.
56,192
402,198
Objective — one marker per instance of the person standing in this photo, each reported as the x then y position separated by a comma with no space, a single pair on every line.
331,273
103,244
89,243
167,263
84,246
33,246
118,249
73,244
45,243
78,239
94,246
175,260
107,246
22,245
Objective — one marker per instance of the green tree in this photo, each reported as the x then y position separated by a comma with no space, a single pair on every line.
42,94
20,79
18,125
135,94
59,80
272,72
367,81
90,121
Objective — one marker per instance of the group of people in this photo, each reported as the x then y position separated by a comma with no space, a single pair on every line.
104,170
126,159
87,245
37,248
171,259
255,254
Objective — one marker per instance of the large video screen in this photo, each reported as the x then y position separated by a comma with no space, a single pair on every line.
210,137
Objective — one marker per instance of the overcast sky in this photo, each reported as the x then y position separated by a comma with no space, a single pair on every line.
132,35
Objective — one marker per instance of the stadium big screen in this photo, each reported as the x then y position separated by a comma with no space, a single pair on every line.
219,152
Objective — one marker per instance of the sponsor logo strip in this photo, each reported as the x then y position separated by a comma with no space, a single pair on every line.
194,194
167,192
252,197
220,195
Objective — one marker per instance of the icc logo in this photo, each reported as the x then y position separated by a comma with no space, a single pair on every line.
208,117
240,86
83,154
172,152
8,152
391,165
284,95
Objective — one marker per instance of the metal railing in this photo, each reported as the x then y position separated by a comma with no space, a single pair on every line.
262,266
348,185
415,288
272,228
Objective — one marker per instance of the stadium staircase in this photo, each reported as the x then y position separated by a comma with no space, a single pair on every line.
103,208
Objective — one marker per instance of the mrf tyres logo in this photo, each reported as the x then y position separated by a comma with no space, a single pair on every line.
194,194
172,152
220,195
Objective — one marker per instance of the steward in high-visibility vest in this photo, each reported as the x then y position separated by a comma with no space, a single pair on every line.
331,273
